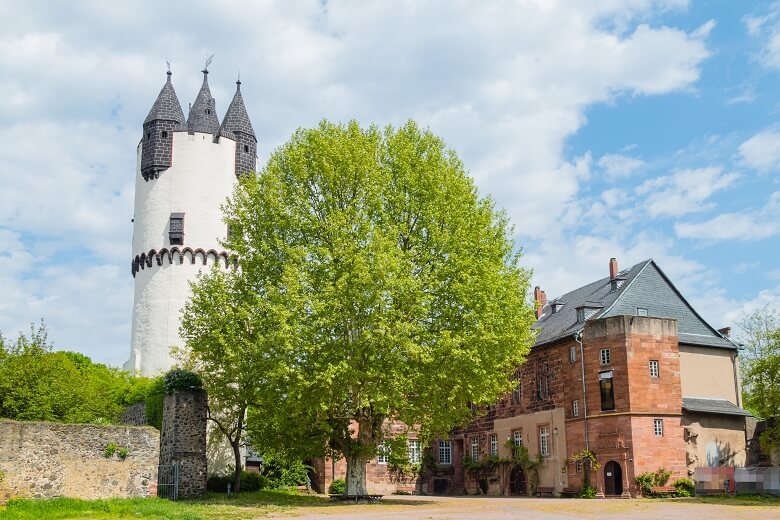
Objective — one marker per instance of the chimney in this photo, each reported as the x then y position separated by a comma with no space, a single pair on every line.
539,300
613,268
726,331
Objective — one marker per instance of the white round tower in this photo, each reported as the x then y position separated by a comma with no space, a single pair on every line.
185,171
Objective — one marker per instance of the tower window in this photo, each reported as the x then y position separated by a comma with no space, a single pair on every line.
176,229
164,134
607,391
246,148
605,357
658,427
148,135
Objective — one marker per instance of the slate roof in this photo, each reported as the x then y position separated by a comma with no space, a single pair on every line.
236,119
718,406
643,285
166,106
203,113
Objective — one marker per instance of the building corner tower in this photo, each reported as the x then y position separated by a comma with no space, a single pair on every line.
184,171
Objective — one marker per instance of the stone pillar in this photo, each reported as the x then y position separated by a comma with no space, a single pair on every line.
183,439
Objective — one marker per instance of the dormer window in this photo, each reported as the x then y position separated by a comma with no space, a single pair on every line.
176,229
580,315
556,306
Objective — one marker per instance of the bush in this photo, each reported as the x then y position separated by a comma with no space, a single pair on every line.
337,487
181,379
684,487
587,492
250,481
154,403
645,481
282,472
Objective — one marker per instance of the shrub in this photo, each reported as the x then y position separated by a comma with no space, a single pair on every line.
337,487
282,472
646,481
110,449
684,487
181,379
154,403
587,492
123,452
250,481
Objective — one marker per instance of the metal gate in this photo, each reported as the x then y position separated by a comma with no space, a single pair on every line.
168,481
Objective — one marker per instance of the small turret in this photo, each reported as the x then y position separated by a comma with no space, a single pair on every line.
164,118
238,126
203,113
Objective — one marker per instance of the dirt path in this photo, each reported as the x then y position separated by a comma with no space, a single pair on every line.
493,508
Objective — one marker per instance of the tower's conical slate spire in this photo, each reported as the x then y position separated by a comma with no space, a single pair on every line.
203,114
166,107
236,118
238,127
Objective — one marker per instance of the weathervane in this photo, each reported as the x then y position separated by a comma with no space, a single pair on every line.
169,65
208,62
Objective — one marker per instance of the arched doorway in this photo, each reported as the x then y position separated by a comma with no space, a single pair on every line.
517,483
613,479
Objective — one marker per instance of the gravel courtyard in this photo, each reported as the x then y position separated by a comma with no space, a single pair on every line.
493,508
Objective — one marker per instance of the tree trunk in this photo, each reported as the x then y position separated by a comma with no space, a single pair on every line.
237,475
356,476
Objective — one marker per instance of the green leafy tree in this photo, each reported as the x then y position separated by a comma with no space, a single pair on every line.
375,286
37,383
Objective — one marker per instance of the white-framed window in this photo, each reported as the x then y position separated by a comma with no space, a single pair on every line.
658,427
475,448
654,369
641,311
383,457
493,445
445,452
544,441
413,451
517,437
573,355
578,465
605,357
575,408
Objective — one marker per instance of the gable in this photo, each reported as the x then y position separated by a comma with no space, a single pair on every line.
652,290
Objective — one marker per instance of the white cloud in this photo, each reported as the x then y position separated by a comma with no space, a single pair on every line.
744,225
766,27
762,151
617,166
684,191
504,84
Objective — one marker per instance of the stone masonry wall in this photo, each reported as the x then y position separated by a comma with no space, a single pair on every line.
135,415
183,439
45,460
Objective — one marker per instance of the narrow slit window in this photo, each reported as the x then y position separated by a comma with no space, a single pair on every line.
544,441
573,355
607,391
575,408
246,148
494,445
176,229
658,427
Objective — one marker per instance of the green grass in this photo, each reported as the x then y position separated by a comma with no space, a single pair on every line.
739,500
212,506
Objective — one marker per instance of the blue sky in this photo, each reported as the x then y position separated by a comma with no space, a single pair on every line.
625,128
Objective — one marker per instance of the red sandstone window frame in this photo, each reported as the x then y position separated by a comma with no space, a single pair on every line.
474,448
655,368
445,448
658,427
605,357
572,355
494,445
575,408
517,437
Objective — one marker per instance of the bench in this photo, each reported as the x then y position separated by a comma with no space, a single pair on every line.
356,498
662,490
544,491
570,492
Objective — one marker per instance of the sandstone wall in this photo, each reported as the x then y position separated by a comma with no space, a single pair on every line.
44,460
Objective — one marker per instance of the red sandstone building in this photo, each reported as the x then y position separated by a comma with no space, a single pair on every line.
660,389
